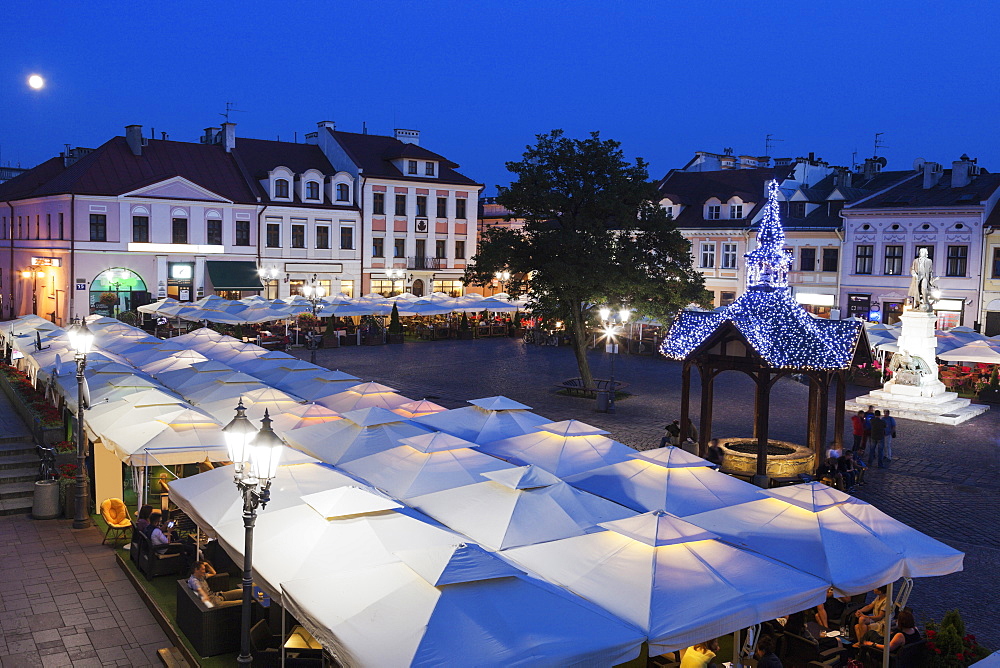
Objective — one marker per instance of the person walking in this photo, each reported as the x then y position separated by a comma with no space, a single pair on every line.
867,435
877,436
858,429
890,434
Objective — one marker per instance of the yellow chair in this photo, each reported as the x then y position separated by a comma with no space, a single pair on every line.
116,515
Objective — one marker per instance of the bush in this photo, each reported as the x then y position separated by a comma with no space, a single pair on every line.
949,646
395,326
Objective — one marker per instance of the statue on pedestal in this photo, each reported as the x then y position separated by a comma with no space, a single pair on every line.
921,282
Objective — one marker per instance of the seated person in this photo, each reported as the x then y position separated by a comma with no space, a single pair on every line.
142,520
701,655
198,582
829,475
906,633
832,609
871,618
766,658
845,466
167,545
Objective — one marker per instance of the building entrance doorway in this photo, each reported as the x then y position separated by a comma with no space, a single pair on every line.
417,288
116,290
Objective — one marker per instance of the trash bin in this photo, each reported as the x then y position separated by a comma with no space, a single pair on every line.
45,505
603,400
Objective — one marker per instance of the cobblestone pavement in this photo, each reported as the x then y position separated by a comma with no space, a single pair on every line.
943,480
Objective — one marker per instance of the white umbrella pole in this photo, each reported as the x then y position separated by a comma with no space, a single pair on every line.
887,630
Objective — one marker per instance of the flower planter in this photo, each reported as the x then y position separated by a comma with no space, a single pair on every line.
465,335
989,396
43,435
396,338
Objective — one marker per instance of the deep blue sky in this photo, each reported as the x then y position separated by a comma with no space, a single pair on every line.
480,79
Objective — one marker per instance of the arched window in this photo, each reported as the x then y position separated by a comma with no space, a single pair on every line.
281,188
312,190
343,192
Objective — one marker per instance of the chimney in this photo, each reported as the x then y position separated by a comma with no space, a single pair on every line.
408,136
209,136
962,171
133,137
842,177
327,124
229,136
872,167
932,174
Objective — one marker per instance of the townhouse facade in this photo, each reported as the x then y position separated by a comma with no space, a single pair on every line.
951,213
140,219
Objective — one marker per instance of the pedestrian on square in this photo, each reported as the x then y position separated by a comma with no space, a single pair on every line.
673,436
858,429
890,434
877,440
867,435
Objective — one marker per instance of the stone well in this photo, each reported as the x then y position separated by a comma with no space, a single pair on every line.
784,459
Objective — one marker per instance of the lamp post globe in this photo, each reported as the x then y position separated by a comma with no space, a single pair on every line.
81,339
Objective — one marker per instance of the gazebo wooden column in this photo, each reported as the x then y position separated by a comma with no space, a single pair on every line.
708,374
686,396
761,418
838,417
823,407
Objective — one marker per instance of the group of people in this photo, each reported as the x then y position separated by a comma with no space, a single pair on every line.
874,429
841,470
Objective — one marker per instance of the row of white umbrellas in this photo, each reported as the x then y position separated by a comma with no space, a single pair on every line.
257,309
959,344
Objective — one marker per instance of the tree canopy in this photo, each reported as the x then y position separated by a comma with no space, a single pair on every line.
594,234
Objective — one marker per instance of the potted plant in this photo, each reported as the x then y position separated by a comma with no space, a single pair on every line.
990,391
67,488
109,299
395,326
65,452
465,332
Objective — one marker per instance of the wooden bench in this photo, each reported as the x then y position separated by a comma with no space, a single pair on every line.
576,387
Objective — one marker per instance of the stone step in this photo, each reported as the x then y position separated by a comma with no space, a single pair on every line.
22,474
18,461
914,406
15,438
16,506
16,490
888,397
17,449
960,410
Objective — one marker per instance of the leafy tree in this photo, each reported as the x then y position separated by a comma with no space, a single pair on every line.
594,234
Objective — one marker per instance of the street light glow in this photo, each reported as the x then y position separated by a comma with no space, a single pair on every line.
36,81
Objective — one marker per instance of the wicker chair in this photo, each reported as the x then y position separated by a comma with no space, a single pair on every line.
152,563
211,631
119,523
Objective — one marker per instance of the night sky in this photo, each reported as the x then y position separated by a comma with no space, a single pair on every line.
480,79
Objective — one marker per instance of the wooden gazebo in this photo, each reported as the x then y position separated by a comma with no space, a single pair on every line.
767,335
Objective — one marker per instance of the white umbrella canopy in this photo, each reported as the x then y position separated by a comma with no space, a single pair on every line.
199,336
518,506
229,386
423,307
302,415
157,305
822,531
119,387
562,448
672,579
984,352
487,420
193,375
183,436
323,384
360,433
364,395
413,409
425,464
274,401
482,612
274,372
178,360
673,457
645,485
101,415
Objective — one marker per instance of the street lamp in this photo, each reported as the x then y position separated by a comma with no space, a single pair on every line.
80,339
269,274
613,325
502,278
255,456
314,292
395,275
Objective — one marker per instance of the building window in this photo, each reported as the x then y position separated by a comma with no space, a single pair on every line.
384,287
796,209
213,232
863,259
400,205
242,233
347,288
323,237
450,287
343,192
140,229
48,226
421,206
429,169
378,204
714,211
996,263
411,167
61,229
298,236
893,260
460,250
736,211
273,239
440,249
831,259
957,260
669,210
312,190
179,230
399,247
442,211
98,227
728,256
378,247
930,251
347,238
460,208
281,188
708,255
726,298
807,259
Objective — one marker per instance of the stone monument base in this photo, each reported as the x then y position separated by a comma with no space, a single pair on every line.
943,408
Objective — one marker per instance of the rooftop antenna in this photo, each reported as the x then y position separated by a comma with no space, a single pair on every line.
854,159
878,143
364,127
769,144
230,108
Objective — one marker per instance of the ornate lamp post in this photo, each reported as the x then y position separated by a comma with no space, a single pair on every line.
613,327
395,275
314,292
255,454
269,275
81,339
503,277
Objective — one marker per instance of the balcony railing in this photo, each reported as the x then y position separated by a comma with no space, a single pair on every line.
426,263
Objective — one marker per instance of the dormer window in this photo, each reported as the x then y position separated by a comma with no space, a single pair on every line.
429,169
736,211
411,167
312,190
281,188
343,192
714,211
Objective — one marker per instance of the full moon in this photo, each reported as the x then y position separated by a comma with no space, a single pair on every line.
35,81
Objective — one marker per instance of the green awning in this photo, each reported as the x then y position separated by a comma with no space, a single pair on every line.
233,275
